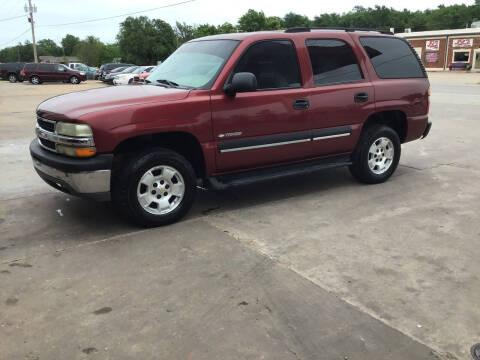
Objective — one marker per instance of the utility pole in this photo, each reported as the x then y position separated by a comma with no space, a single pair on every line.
30,10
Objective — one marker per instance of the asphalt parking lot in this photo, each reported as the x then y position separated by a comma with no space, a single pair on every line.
319,267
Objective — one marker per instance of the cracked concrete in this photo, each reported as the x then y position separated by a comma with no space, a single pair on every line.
319,267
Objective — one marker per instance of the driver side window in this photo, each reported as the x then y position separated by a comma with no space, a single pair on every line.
60,68
274,63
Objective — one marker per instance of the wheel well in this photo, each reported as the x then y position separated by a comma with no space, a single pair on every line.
395,119
183,143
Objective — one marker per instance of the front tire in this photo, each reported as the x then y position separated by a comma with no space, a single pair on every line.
154,188
74,80
35,80
377,155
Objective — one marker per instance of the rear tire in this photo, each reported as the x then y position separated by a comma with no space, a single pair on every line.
12,78
377,155
154,188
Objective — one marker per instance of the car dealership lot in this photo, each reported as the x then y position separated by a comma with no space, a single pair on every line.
302,268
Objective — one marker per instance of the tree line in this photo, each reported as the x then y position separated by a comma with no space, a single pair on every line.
142,40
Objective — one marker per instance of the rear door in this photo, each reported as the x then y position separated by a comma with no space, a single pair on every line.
341,97
265,126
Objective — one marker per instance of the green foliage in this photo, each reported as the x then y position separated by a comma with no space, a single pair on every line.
273,23
184,32
20,52
292,20
252,21
205,30
145,41
227,28
48,47
89,50
68,43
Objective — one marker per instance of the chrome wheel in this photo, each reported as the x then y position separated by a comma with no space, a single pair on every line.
380,155
160,190
12,78
74,80
35,80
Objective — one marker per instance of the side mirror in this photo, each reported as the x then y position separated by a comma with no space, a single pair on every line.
241,82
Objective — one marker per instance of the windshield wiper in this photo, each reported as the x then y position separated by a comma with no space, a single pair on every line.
168,82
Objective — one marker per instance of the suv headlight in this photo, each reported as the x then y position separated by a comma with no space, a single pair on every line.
77,140
78,130
82,73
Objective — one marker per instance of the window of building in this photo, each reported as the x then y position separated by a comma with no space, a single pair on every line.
461,56
392,58
274,63
333,62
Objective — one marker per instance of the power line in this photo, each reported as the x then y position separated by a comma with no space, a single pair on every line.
117,16
5,43
14,17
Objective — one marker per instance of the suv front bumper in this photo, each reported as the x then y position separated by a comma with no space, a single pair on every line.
81,177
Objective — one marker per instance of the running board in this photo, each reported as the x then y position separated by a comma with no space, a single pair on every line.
249,177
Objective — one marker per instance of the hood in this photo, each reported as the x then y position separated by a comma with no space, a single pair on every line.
74,105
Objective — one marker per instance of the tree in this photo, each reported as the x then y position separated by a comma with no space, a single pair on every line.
205,30
145,41
252,21
292,20
89,50
109,53
273,23
184,32
226,28
48,47
68,43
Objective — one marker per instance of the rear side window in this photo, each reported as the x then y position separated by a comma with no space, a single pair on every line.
392,58
45,67
333,62
274,63
30,66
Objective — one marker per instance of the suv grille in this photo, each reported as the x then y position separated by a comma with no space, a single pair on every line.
48,125
48,144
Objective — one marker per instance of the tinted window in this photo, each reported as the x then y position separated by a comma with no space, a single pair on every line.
333,62
30,66
274,63
45,67
461,56
392,58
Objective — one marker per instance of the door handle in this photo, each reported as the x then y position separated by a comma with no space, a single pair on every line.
301,104
361,97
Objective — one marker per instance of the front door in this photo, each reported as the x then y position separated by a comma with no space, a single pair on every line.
269,125
341,99
61,72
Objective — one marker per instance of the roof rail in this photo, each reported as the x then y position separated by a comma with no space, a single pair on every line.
347,29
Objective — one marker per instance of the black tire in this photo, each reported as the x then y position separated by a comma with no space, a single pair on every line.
12,78
360,168
74,80
126,180
130,81
35,80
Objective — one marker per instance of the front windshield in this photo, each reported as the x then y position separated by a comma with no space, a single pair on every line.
138,70
129,69
195,64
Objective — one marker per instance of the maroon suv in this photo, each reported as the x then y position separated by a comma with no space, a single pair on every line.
38,73
234,109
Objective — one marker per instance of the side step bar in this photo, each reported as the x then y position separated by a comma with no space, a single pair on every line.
226,181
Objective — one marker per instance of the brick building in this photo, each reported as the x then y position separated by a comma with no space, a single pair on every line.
440,48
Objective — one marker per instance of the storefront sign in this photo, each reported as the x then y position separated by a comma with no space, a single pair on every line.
431,57
432,45
462,43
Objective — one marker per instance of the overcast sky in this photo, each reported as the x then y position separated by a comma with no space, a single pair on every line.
52,12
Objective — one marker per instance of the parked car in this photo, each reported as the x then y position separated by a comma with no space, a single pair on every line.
140,78
38,73
11,71
88,70
107,68
76,66
235,109
127,78
109,77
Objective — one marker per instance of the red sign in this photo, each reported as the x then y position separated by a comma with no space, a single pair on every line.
462,43
432,45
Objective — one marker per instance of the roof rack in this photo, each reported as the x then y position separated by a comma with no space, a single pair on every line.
347,29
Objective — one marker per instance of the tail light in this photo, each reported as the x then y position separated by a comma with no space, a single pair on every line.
21,72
